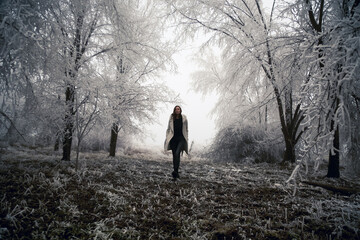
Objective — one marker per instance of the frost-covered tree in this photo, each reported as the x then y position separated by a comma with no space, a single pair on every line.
75,27
134,67
253,57
239,98
135,98
19,26
61,42
87,113
330,33
73,59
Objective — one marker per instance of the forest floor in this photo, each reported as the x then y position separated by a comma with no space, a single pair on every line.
134,197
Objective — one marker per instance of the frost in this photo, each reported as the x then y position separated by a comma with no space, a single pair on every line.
134,198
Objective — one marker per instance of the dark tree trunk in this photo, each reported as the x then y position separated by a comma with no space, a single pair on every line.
57,143
69,122
334,160
77,50
289,123
113,139
289,131
289,154
57,136
266,117
67,142
289,139
336,189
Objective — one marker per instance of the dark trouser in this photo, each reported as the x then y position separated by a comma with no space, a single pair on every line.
176,147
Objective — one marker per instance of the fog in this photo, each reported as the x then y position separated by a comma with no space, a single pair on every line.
195,106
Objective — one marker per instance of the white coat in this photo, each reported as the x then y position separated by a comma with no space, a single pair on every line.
170,133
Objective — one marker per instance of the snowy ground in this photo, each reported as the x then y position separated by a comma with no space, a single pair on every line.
133,197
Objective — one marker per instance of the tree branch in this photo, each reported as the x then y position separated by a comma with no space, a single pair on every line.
313,22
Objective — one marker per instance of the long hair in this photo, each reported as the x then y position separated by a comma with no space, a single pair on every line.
174,114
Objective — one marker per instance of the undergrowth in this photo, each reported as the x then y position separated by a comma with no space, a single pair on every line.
135,198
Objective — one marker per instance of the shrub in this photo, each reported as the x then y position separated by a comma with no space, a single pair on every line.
247,143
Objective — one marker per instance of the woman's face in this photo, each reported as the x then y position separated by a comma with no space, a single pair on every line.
177,110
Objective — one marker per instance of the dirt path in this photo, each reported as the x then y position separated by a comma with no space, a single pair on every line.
134,198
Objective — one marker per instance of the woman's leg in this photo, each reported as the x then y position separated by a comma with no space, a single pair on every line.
176,156
173,146
174,162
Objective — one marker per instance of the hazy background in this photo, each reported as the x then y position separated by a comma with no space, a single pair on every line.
195,106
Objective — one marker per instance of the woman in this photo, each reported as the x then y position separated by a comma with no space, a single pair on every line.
177,137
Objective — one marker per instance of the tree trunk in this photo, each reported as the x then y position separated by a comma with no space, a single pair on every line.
57,136
336,189
288,135
77,156
67,142
289,131
57,144
289,154
69,122
334,159
113,139
76,51
288,127
289,123
266,117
